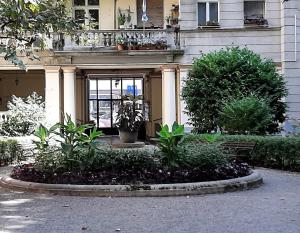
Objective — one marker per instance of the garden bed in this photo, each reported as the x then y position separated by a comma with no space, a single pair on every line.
27,172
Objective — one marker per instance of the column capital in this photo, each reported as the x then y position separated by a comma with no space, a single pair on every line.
184,67
168,68
69,69
52,69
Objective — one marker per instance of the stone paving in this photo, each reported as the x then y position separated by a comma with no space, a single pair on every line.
272,208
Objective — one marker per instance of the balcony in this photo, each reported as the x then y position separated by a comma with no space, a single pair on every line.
130,42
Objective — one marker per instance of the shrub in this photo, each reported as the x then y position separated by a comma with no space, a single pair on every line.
231,73
10,151
270,151
127,160
246,115
103,158
24,115
201,156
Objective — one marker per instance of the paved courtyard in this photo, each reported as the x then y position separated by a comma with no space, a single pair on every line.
272,208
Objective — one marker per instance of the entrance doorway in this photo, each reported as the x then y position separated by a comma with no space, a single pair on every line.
104,97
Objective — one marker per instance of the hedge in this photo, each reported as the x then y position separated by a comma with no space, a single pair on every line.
270,151
10,151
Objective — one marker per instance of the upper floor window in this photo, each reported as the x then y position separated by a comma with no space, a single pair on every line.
208,13
254,12
86,12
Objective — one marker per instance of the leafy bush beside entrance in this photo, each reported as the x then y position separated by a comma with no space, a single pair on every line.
231,73
24,115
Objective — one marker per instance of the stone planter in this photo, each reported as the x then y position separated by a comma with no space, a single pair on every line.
128,137
154,190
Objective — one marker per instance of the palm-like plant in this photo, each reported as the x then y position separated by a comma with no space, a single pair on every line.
129,116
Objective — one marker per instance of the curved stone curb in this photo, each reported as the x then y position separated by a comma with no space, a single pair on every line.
180,189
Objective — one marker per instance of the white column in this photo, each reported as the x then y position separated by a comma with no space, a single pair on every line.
70,91
52,94
183,117
168,95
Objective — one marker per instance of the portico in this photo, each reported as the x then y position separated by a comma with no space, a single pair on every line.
159,85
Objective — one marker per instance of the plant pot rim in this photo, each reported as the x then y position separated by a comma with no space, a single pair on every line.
127,131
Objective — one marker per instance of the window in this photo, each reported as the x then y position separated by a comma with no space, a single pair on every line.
208,14
254,12
86,12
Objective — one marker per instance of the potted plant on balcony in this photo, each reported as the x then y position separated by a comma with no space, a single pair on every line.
121,19
168,20
255,20
148,44
161,44
212,24
129,119
120,43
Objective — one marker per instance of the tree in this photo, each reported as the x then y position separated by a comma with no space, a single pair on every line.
25,23
231,73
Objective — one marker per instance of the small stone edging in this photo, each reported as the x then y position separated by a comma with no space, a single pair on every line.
248,182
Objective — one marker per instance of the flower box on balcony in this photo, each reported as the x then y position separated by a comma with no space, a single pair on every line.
255,22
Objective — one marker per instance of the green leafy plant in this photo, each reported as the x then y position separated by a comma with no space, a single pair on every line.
246,115
25,23
210,138
74,142
121,18
73,136
231,73
169,140
44,135
121,40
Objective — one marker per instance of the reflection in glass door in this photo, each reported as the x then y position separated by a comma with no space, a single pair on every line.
105,95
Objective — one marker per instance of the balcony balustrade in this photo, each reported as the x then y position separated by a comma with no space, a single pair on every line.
135,39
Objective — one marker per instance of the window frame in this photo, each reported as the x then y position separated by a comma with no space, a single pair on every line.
264,10
86,9
264,18
111,100
207,11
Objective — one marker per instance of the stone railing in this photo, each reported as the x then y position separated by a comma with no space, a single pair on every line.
135,39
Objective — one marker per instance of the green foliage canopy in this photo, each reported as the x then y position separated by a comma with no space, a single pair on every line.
27,22
231,73
246,115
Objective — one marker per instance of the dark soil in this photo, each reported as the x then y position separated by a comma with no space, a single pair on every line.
27,172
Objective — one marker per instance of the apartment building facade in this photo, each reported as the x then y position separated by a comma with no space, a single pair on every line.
86,76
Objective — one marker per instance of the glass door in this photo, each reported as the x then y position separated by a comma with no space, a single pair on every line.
105,95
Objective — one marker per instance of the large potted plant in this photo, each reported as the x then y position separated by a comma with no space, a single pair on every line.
129,119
